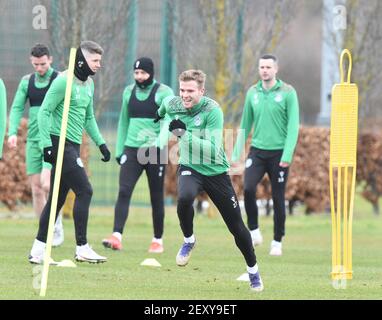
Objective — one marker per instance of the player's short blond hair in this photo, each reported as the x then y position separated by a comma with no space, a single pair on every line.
193,75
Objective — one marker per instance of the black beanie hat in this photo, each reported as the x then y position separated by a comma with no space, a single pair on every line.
145,64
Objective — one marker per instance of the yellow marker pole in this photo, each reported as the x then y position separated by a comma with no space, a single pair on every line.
343,160
57,179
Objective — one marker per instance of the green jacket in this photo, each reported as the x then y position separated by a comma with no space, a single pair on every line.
138,132
18,106
3,115
81,113
201,147
274,114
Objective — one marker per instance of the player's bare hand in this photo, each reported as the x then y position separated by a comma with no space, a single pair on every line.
12,142
237,168
284,164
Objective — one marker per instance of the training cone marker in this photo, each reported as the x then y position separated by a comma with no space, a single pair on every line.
66,263
243,277
150,263
52,262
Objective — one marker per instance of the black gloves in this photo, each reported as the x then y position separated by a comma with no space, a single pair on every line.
48,155
105,152
177,127
158,118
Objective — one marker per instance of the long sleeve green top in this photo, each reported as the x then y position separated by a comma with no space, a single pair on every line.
3,115
18,105
274,115
81,113
201,147
138,132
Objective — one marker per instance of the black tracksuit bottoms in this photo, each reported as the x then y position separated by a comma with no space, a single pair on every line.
133,162
73,177
220,190
258,163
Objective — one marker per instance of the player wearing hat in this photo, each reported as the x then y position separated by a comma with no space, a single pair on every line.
140,147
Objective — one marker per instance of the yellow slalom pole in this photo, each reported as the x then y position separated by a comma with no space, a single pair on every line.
338,224
343,159
346,221
57,179
334,222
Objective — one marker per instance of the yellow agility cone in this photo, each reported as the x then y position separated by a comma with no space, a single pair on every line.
343,159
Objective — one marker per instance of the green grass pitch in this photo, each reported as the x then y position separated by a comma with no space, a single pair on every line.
303,272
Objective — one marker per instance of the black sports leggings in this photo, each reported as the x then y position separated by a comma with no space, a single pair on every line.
73,177
131,169
219,189
258,163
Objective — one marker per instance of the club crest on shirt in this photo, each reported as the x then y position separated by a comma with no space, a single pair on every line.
197,120
278,97
256,98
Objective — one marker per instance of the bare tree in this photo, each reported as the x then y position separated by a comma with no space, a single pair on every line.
225,38
102,21
2,5
363,37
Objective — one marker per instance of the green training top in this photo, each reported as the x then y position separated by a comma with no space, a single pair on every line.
275,115
81,113
201,147
3,114
138,132
18,106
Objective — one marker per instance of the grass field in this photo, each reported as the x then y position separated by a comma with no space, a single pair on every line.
303,272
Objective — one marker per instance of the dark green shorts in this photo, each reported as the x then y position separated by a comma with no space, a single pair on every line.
35,159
